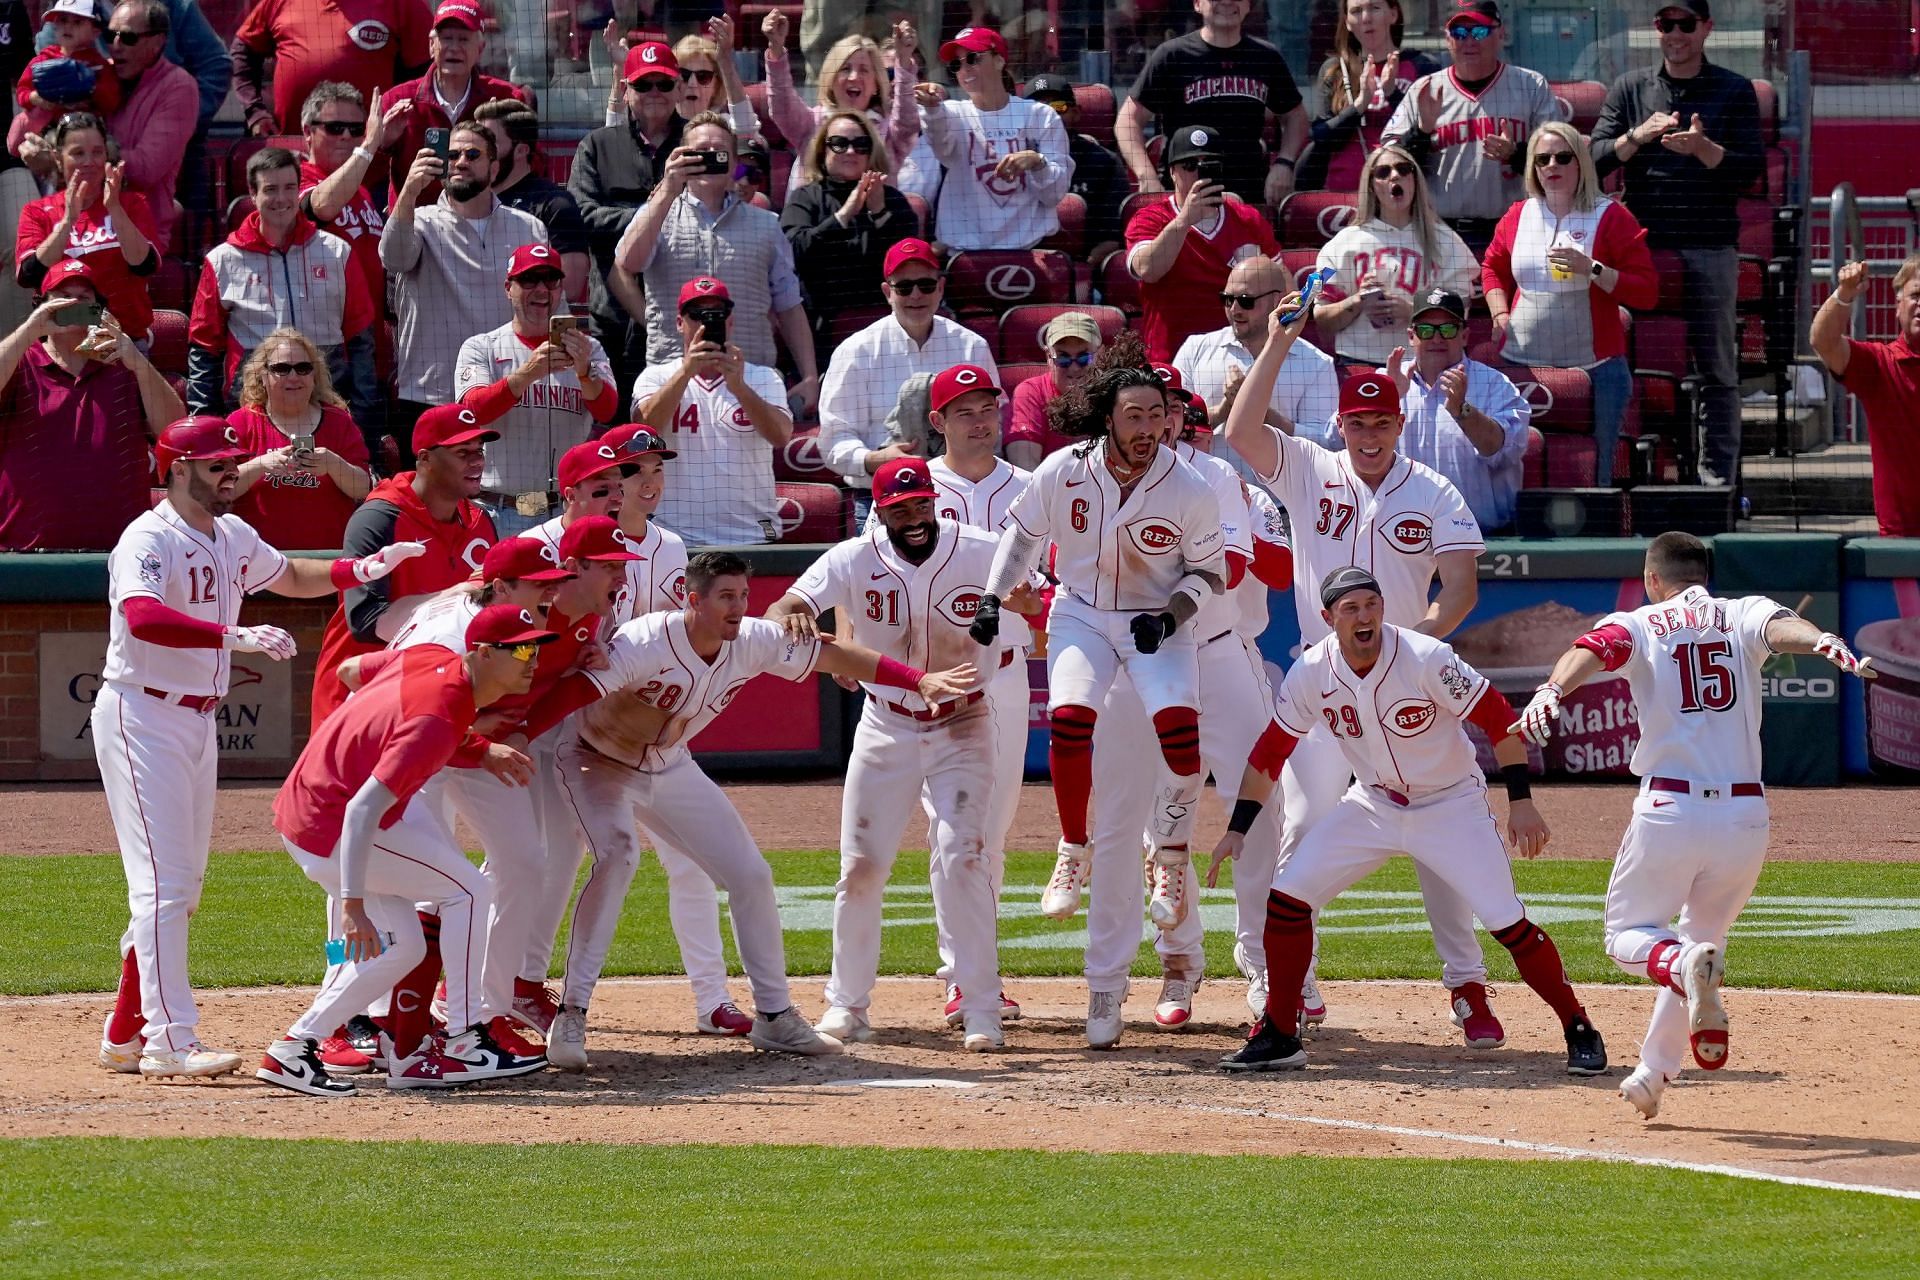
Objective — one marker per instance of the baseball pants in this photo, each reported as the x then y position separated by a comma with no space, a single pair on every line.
1695,857
687,810
895,759
1009,702
157,763
413,863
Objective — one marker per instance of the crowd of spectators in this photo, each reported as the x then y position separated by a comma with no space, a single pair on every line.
416,250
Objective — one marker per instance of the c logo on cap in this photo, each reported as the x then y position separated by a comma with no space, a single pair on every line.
966,377
620,536
231,436
467,418
548,554
905,476
1199,138
526,617
650,54
1368,388
606,451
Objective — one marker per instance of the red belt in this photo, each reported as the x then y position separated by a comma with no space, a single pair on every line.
1006,657
201,702
1686,788
1394,796
938,711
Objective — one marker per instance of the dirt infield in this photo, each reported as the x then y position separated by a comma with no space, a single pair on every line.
1389,1077
1809,824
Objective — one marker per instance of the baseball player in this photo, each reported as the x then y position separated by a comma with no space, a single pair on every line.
1138,549
349,815
175,582
668,676
1393,699
1406,524
1699,830
910,591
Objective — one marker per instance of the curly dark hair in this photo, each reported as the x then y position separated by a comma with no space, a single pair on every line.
1086,410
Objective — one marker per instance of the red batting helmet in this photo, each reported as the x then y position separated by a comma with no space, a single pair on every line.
202,437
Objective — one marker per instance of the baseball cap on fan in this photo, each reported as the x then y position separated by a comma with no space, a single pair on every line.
595,538
1191,142
950,384
449,424
1368,391
1487,11
1698,8
912,249
704,289
902,480
78,8
461,12
502,625
973,40
1440,300
631,440
529,258
1345,579
585,461
1050,89
522,560
649,59
65,270
200,438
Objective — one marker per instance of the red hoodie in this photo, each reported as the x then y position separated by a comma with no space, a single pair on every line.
249,288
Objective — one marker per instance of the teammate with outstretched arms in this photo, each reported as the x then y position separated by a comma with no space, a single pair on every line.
1698,836
1371,507
176,580
668,676
1139,547
1394,700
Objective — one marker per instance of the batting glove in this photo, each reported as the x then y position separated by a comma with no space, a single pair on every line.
1542,713
272,641
986,621
1834,650
1149,629
384,561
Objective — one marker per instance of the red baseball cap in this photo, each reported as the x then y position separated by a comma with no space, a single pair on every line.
632,440
1486,11
447,424
651,58
902,479
68,269
523,560
1169,376
973,40
1368,391
950,384
533,257
703,289
463,12
595,538
584,461
202,438
505,624
912,249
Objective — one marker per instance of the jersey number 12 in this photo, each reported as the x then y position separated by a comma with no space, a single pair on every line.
200,584
1706,681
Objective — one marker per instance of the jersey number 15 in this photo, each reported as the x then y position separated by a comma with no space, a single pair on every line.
1706,681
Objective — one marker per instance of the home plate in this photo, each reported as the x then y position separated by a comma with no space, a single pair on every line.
917,1082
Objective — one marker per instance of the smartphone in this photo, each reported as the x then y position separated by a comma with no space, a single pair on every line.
87,313
303,443
1309,290
713,162
713,328
438,141
1210,169
560,325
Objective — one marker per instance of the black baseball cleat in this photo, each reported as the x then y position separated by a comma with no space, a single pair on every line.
363,1033
1266,1050
1586,1051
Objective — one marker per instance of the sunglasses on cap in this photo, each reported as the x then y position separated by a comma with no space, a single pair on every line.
342,128
1686,26
1245,301
926,284
688,75
1392,169
1445,329
1084,359
653,84
840,146
1473,31
1545,158
281,369
520,652
705,311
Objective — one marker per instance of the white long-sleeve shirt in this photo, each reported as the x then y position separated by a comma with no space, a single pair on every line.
863,382
980,211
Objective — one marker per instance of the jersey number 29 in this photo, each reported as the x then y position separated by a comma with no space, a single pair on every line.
1706,682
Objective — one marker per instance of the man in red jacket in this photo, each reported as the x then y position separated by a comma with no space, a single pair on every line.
431,504
446,95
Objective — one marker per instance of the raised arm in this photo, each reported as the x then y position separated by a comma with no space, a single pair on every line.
1246,429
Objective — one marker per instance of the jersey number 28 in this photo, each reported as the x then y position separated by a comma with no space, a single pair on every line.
1706,681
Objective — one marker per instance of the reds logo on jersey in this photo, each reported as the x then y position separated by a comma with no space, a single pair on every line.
1405,719
960,604
370,35
678,587
741,418
726,695
1411,534
1154,535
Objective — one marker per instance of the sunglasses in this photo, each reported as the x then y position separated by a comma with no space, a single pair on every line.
1475,32
539,280
840,146
343,128
300,367
1545,158
1448,329
905,287
1396,169
1245,301
653,84
1686,26
1084,359
469,154
127,37
688,75
971,58
709,312
520,652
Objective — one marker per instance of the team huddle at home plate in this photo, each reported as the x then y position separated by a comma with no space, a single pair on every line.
544,689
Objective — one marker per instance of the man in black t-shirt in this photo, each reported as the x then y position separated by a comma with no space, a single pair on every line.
1099,177
1218,79
516,133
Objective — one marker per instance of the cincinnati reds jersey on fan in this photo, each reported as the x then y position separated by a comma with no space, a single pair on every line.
916,614
1398,725
1465,183
722,491
981,504
660,693
162,556
1393,532
1122,555
1693,663
1220,614
550,417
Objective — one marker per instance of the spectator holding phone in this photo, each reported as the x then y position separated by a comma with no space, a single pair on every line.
448,93
843,218
853,77
94,217
308,469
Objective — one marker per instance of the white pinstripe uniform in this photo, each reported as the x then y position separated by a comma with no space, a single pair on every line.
1394,532
902,749
158,757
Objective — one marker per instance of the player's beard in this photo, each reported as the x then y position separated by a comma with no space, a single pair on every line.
913,554
209,496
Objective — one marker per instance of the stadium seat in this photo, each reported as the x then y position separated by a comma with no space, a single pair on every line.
169,352
1071,238
1533,467
1012,375
984,323
1561,399
1308,219
1116,285
555,157
1298,262
1097,112
801,460
1020,327
172,285
1583,100
1135,203
813,512
844,324
237,210
757,96
991,280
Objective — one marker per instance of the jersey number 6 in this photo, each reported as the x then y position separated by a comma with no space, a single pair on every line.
1077,515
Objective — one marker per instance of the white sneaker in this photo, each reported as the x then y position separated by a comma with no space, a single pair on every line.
124,1058
1175,1007
1103,1019
788,1032
567,1040
295,1064
1256,980
983,1032
1071,872
1701,969
1643,1088
1313,1008
196,1060
845,1025
1167,888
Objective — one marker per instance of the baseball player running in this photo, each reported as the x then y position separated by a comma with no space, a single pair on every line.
1699,830
349,815
175,582
1393,699
910,591
668,676
1406,524
1138,549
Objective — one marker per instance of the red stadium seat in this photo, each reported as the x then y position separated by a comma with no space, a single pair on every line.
992,280
1763,91
1561,399
1533,467
1097,111
801,460
1308,219
1012,375
169,352
1298,262
555,159
237,211
1583,100
986,324
1135,203
844,324
1071,238
813,512
1116,285
172,285
1020,326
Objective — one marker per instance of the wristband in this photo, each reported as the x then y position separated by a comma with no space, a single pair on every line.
364,154
341,574
1244,813
1283,160
897,675
1519,785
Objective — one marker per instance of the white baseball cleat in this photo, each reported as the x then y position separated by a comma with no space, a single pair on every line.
124,1058
1313,1006
1175,1006
848,1026
1167,883
1071,872
1103,1019
983,1032
788,1032
1256,980
567,1040
195,1060
1643,1087
1701,969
